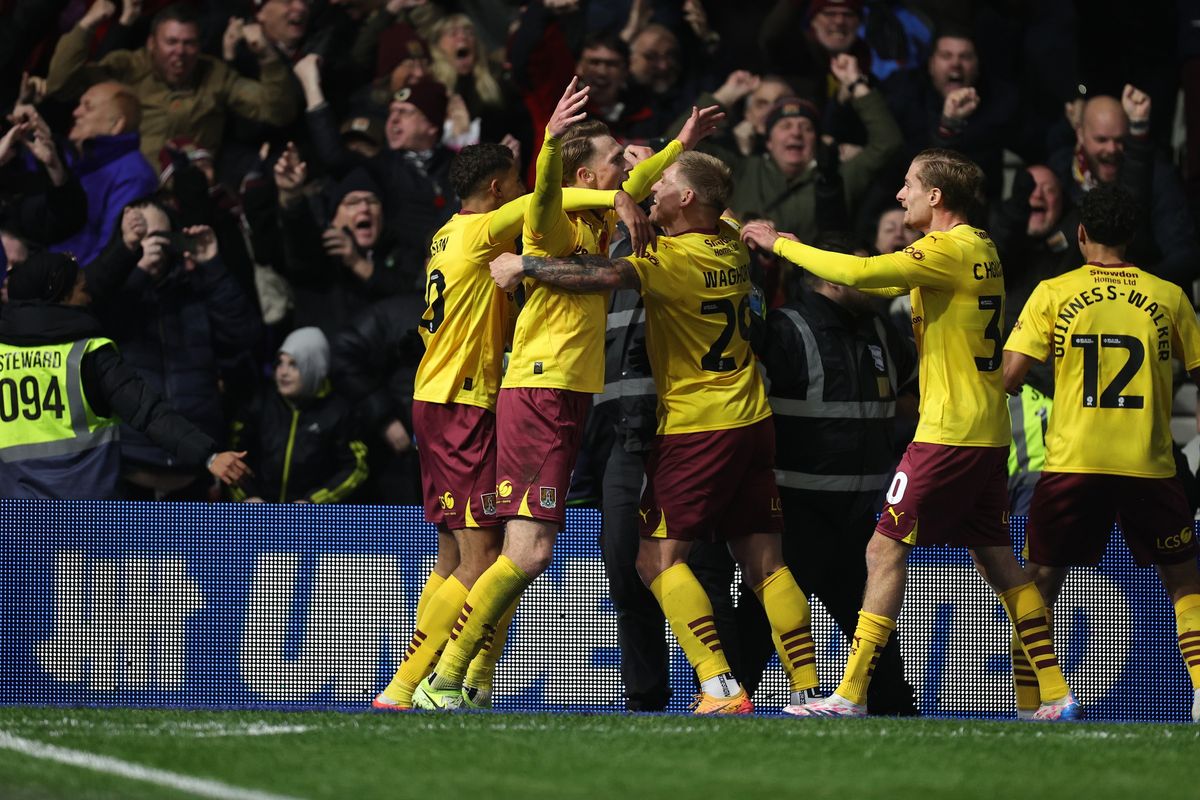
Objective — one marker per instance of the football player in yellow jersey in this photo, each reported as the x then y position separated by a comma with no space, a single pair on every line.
710,475
951,485
1112,330
464,330
555,368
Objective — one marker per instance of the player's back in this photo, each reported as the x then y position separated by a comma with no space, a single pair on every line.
1112,331
697,297
957,305
464,321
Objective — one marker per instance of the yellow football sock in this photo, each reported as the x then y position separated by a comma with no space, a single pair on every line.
1032,627
497,589
483,665
687,608
1187,623
870,636
432,584
1025,684
430,636
791,627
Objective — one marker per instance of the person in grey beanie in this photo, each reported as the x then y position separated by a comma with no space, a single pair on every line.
302,434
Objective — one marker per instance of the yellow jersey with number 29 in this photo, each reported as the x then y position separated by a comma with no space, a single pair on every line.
1112,331
696,290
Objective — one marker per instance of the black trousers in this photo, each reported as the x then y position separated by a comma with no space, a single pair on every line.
641,631
824,545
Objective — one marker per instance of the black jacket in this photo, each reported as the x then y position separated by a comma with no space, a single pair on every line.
328,294
176,332
375,360
306,451
110,385
833,419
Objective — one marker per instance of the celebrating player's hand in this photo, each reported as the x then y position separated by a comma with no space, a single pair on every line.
569,109
960,103
1136,104
760,234
701,123
229,467
636,154
507,270
641,232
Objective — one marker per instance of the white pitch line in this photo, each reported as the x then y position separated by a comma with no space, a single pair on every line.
137,772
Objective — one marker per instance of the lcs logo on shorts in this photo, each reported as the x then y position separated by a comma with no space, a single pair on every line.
489,503
548,496
915,253
1181,539
446,501
504,488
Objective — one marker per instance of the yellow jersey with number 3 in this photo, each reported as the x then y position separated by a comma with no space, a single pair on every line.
696,291
957,309
957,287
1112,331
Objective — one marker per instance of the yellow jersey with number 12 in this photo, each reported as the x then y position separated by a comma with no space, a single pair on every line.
1112,331
696,290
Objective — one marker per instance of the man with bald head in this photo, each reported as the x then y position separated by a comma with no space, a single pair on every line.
1113,145
183,92
106,156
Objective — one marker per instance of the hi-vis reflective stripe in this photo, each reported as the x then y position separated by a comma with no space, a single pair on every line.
812,354
834,409
619,319
813,405
83,439
627,387
61,447
831,483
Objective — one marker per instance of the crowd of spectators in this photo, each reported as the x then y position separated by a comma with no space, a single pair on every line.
305,145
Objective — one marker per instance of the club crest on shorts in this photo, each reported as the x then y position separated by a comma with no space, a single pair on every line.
548,496
489,503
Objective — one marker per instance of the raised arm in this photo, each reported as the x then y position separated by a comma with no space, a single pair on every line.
581,274
546,223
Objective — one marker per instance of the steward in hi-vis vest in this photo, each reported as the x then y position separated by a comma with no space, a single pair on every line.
64,388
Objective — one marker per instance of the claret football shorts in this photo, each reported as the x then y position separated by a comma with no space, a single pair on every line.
950,495
456,444
539,432
712,485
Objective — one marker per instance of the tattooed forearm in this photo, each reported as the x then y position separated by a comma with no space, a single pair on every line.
584,273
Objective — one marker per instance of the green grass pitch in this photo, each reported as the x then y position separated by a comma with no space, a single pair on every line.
269,755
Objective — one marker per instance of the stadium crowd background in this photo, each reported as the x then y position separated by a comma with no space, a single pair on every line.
250,186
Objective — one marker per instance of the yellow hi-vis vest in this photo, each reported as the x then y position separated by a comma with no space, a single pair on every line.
43,412
1030,412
